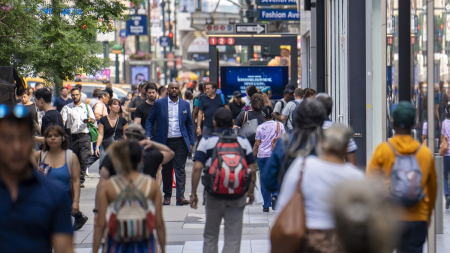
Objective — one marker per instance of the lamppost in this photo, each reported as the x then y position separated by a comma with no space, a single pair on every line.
117,49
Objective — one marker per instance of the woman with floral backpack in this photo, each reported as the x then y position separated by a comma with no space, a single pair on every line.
135,204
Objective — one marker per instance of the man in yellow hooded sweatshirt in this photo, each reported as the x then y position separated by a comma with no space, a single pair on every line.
414,218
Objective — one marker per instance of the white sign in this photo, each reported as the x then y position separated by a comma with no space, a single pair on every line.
447,28
250,28
110,36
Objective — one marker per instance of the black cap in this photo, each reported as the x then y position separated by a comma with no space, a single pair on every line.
288,91
237,94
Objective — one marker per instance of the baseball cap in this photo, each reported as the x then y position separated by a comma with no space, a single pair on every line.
135,130
404,114
237,94
288,91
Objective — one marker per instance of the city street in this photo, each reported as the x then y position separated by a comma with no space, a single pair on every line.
184,225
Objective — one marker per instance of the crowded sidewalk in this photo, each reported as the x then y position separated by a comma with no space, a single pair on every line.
184,225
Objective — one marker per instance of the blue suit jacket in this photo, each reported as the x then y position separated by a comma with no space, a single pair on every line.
159,114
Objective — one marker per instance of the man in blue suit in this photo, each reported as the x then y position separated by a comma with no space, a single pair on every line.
172,116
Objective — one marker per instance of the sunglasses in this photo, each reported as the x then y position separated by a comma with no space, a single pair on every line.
19,111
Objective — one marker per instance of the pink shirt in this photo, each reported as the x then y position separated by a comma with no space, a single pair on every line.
446,131
266,132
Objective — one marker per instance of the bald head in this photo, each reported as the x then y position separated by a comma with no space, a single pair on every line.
173,90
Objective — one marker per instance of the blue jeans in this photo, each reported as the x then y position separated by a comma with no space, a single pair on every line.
412,237
446,171
267,196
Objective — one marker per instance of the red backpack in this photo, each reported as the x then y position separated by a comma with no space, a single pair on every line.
228,173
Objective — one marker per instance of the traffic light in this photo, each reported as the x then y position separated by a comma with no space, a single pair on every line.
171,39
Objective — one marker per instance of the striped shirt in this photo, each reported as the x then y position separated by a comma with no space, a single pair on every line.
351,144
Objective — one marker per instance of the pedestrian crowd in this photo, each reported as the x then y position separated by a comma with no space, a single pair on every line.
305,164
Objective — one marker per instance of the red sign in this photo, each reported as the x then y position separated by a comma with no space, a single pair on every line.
170,57
216,27
179,63
389,40
209,27
230,41
222,28
213,41
222,41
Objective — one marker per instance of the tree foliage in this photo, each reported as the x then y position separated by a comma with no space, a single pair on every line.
55,39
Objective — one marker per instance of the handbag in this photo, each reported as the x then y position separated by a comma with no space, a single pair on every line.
106,142
274,141
289,231
443,148
248,129
93,130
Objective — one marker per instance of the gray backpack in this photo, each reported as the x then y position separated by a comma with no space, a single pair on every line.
406,177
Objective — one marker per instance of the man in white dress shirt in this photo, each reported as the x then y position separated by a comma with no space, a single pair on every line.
77,115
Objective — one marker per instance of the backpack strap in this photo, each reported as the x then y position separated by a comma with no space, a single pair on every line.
149,185
245,118
69,160
115,184
397,153
45,153
223,98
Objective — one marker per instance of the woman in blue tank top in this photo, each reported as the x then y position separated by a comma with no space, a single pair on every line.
61,165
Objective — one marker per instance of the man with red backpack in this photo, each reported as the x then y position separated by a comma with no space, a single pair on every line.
229,177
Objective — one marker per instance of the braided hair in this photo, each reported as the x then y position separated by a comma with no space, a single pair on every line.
307,132
267,111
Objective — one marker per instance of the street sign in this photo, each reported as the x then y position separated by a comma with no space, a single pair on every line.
137,25
179,63
164,41
155,40
251,28
123,35
170,58
278,14
277,2
447,26
215,29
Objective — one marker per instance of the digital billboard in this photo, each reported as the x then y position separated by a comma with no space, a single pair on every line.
238,78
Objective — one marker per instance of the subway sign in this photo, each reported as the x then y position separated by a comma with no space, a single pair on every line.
277,2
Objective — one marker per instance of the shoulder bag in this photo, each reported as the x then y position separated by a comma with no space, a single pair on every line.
289,231
443,148
248,129
106,142
93,130
274,140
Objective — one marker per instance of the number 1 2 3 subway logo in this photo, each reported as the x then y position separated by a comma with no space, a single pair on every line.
213,41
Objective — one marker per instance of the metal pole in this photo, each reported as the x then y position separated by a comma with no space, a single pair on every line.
430,105
149,23
164,48
124,68
404,52
136,40
439,206
117,68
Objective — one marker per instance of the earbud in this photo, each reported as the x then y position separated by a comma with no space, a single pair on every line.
64,138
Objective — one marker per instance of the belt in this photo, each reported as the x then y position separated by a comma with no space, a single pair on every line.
175,138
80,134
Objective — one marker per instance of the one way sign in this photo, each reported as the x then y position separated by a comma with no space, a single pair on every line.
251,28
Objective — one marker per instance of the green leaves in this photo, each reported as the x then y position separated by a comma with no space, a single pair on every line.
39,42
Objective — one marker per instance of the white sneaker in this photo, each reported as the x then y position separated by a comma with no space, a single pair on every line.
87,171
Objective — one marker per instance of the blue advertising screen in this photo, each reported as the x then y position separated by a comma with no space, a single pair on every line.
238,78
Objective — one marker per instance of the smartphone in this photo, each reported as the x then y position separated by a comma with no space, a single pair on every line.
44,168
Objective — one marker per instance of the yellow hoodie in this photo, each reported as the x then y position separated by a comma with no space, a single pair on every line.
381,165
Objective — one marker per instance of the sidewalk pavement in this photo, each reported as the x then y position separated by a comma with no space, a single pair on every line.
184,225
